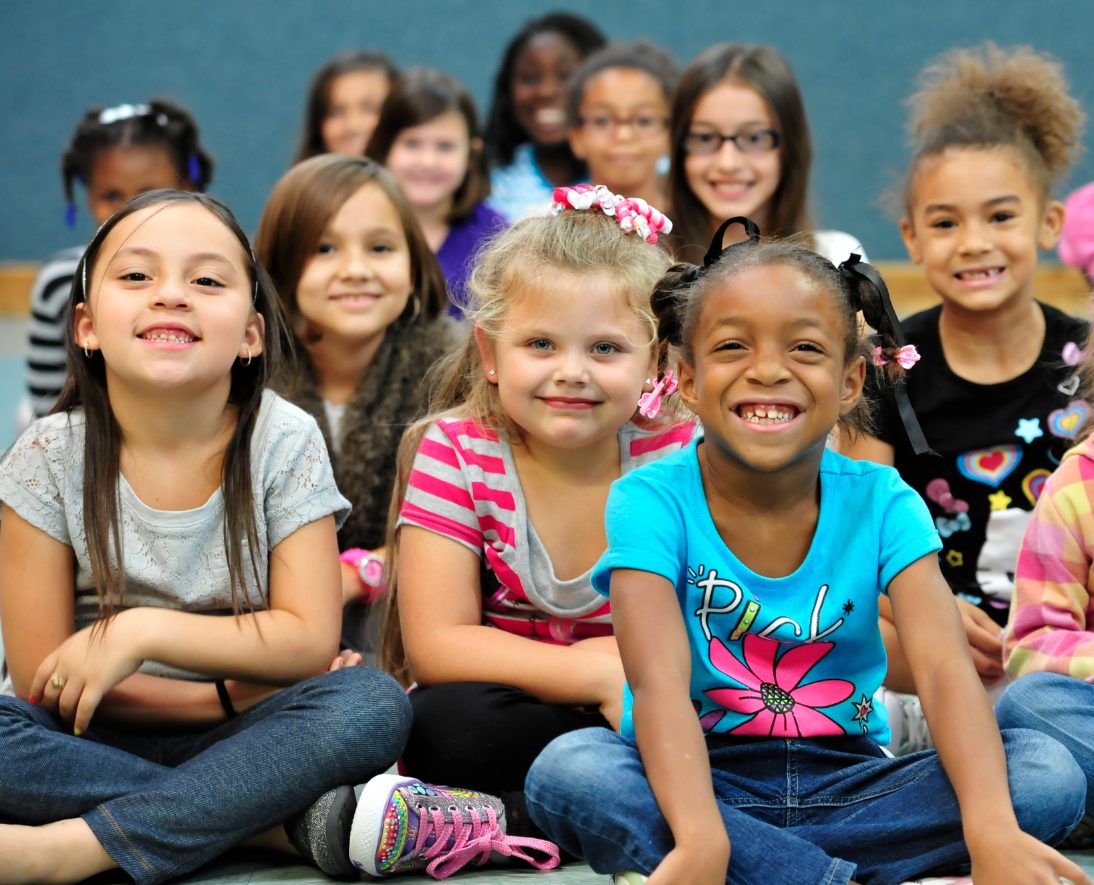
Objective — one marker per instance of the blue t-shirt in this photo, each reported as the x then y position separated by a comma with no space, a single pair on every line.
798,656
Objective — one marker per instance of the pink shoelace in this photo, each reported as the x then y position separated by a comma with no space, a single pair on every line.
474,839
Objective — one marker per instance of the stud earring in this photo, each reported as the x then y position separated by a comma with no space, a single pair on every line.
491,373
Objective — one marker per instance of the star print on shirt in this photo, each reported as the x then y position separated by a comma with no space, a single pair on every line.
1029,429
863,709
848,607
1000,500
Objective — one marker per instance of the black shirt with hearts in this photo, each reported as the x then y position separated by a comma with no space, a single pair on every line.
995,443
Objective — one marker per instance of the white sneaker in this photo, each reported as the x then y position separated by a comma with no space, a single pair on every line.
627,879
906,721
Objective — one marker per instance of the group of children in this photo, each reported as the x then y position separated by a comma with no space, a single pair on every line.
632,409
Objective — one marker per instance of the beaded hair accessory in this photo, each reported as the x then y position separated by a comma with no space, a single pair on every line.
632,213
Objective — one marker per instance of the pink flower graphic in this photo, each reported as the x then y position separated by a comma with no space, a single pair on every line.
780,706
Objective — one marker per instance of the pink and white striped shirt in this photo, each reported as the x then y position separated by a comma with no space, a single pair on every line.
464,485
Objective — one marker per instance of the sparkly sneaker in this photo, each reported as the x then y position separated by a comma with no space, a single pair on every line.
321,831
906,721
403,826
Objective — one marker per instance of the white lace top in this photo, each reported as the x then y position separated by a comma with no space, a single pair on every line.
174,558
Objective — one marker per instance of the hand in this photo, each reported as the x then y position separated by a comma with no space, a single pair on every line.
89,663
984,642
1020,859
347,657
691,868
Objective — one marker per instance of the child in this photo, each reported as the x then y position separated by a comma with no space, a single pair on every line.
618,106
428,138
741,146
365,300
502,513
526,131
1049,640
344,101
115,153
168,590
996,392
744,599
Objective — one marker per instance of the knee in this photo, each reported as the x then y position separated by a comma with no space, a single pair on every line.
1048,788
1026,701
367,705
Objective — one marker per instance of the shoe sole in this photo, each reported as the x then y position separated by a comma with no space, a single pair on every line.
366,830
338,827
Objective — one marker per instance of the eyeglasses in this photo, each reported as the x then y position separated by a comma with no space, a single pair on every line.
644,125
702,143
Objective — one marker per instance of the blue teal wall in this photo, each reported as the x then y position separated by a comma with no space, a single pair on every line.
242,66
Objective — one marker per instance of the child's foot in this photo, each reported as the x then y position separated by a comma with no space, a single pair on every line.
403,825
321,831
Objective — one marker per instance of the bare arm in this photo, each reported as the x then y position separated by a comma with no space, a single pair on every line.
440,610
964,731
647,617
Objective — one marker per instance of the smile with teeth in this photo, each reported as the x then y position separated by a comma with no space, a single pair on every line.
980,273
770,413
168,337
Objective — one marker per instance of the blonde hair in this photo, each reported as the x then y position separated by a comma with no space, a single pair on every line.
577,243
989,97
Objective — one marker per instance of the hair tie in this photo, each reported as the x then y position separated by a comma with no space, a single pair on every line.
716,251
193,168
121,112
851,269
649,404
70,214
633,214
907,356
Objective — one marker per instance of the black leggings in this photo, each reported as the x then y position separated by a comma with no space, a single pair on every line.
484,735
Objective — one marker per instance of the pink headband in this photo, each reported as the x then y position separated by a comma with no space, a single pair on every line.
633,214
1077,238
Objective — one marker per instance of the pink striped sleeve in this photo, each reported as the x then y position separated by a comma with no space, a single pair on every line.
676,437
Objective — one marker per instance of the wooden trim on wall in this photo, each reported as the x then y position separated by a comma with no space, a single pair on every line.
1057,284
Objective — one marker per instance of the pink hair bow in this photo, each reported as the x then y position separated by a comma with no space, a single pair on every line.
649,404
633,214
907,357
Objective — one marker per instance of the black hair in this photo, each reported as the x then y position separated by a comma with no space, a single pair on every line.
157,123
503,133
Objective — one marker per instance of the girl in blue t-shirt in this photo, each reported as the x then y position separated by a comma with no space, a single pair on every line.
744,574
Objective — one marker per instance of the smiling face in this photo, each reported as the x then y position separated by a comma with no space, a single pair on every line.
571,362
430,160
623,157
976,222
541,72
120,173
353,109
769,379
169,301
359,280
730,182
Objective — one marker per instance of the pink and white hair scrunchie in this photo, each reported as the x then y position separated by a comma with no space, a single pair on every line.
633,214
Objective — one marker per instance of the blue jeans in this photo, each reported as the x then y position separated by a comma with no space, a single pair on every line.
797,811
1059,706
164,803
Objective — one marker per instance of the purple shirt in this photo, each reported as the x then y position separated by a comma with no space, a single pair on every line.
457,252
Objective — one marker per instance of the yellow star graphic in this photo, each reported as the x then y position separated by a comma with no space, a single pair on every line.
1000,500
955,558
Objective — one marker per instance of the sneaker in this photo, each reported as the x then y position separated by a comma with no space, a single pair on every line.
627,879
906,721
320,833
403,826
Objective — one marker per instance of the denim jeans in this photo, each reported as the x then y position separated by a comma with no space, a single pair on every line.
797,811
164,803
1059,706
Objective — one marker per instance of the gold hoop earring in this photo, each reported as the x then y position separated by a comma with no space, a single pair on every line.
247,361
87,352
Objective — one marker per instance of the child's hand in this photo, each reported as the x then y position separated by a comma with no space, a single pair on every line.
347,657
984,642
692,867
1020,859
74,677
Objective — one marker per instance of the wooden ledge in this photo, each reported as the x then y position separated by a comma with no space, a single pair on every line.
1058,285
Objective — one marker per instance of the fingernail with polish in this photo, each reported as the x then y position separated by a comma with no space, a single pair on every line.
33,699
77,731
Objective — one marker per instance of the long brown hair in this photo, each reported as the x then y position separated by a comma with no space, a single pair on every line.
86,388
579,243
764,69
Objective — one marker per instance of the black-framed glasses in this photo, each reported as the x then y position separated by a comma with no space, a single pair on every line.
703,142
644,125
